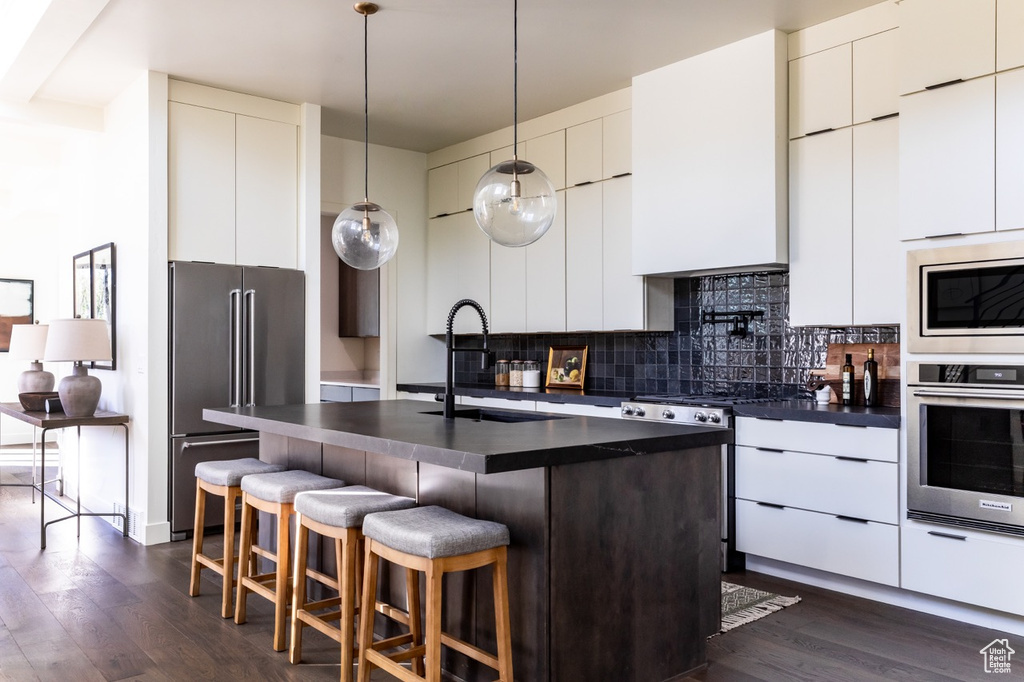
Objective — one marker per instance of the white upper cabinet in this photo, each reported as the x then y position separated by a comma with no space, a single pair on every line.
1009,146
623,292
875,82
945,40
443,190
583,153
545,277
507,313
947,160
1009,34
821,91
470,172
821,229
709,161
617,144
547,152
584,309
458,266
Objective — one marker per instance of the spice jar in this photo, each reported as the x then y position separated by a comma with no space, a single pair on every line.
501,373
531,374
515,374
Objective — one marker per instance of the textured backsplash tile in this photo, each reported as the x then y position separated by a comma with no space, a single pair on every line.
772,361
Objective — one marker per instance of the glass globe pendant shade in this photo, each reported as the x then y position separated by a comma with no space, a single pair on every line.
514,203
365,236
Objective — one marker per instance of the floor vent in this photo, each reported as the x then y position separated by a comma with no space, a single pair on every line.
133,519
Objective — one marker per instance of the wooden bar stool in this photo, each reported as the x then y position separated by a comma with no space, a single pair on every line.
436,541
339,514
273,493
224,478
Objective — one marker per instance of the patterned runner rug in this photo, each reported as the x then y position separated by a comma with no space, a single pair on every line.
742,605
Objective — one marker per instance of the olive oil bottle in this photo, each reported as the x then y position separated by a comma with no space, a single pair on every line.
848,380
871,380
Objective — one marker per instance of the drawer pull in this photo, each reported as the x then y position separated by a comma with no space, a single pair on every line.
853,519
769,419
769,504
944,84
948,234
947,535
621,175
885,116
853,426
819,132
769,450
852,459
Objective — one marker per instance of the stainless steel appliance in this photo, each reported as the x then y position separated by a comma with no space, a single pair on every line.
965,441
966,299
236,338
702,410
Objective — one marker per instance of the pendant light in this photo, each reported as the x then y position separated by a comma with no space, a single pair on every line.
514,202
365,236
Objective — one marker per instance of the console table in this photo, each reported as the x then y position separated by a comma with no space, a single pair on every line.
48,421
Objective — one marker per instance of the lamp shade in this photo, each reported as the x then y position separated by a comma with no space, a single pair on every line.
77,340
28,341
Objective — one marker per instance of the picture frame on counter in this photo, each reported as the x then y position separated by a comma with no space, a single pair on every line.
566,366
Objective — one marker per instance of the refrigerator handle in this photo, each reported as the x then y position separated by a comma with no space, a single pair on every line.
235,349
250,294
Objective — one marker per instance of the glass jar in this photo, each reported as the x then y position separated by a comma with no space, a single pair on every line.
531,374
501,373
515,374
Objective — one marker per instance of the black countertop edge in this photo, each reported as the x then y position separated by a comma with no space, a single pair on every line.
547,395
808,411
402,429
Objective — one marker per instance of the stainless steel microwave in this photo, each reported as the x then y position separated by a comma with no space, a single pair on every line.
966,299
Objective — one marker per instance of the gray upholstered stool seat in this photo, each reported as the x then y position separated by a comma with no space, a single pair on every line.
231,471
221,478
282,486
273,493
434,532
433,540
337,514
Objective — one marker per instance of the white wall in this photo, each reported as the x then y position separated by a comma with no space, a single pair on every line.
398,182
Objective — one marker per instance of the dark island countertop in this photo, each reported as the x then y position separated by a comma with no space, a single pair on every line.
406,429
809,411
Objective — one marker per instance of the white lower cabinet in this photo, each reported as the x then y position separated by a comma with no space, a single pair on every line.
820,495
963,565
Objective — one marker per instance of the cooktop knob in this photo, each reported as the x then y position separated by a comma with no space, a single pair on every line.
668,414
627,409
640,411
700,416
714,418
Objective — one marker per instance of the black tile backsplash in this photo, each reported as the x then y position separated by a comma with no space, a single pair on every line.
772,361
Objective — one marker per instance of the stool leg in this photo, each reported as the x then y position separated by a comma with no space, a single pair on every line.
433,629
197,539
228,564
502,624
412,595
347,558
281,579
366,610
298,588
245,567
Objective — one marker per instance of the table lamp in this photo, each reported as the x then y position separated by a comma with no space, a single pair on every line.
78,341
28,342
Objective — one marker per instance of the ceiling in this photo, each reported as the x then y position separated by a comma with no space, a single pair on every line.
440,70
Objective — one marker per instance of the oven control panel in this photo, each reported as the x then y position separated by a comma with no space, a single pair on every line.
682,414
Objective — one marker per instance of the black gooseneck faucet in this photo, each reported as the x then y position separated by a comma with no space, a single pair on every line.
449,344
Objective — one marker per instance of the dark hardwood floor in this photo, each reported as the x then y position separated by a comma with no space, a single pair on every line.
105,608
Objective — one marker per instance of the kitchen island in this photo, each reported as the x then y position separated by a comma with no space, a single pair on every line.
613,566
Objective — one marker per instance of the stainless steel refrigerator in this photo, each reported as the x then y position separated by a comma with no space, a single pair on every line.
237,337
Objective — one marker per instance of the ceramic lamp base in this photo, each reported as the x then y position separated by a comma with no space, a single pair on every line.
35,380
80,393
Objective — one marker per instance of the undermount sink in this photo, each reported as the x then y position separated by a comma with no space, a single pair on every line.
478,414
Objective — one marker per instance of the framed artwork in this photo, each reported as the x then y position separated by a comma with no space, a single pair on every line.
566,365
95,292
15,307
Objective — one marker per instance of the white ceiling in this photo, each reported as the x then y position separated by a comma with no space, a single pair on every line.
440,70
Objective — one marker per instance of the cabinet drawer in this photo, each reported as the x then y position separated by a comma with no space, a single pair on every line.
330,393
857,488
828,439
964,566
860,549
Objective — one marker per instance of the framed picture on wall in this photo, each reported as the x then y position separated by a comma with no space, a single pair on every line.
566,365
95,292
16,307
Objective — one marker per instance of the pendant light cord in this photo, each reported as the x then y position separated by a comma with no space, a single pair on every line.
366,109
515,81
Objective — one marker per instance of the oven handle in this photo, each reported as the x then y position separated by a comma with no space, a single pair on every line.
938,393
